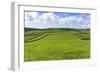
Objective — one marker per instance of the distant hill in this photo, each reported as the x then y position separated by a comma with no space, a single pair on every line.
31,29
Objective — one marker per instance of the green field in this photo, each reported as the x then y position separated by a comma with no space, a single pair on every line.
56,44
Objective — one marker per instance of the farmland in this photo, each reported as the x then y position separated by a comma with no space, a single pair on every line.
56,44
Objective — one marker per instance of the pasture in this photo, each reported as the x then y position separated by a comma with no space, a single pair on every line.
56,44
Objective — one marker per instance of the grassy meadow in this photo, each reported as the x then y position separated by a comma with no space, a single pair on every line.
56,44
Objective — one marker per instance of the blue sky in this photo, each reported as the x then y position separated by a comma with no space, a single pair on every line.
44,20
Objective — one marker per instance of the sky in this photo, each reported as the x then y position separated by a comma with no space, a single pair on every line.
44,20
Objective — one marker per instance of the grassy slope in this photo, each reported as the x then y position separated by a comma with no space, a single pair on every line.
58,45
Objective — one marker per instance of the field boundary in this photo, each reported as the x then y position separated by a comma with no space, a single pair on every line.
35,39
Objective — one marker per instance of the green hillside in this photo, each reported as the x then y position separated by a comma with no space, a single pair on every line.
56,44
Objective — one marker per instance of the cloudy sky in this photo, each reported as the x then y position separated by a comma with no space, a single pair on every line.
42,20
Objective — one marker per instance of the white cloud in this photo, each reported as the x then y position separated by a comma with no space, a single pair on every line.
88,26
31,18
79,19
48,18
30,15
51,20
67,20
